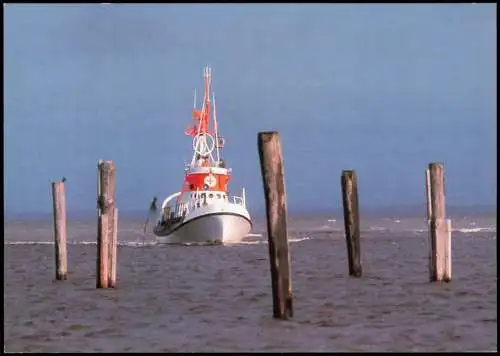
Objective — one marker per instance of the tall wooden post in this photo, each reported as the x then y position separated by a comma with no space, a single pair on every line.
102,251
440,227
428,193
112,252
60,230
106,207
429,217
351,221
447,252
271,164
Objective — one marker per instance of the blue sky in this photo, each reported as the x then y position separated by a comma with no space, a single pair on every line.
382,89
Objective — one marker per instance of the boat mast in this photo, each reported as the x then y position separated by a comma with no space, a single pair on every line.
216,131
206,118
203,142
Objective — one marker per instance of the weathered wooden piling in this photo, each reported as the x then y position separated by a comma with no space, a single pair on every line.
428,193
102,252
351,221
429,216
439,226
106,223
271,164
60,230
447,256
112,252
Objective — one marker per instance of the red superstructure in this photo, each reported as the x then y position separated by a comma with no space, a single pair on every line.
206,172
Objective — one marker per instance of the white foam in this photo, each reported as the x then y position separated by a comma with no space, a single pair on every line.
150,243
120,243
477,229
28,243
298,239
253,235
463,230
377,228
187,244
84,243
324,227
138,243
258,242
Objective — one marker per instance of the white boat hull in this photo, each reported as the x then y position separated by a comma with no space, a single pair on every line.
217,224
220,228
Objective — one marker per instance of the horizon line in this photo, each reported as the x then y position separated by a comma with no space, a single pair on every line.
370,210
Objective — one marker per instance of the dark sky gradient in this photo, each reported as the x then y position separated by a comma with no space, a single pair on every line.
383,89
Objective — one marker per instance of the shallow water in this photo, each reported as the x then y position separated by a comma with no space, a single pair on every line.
218,298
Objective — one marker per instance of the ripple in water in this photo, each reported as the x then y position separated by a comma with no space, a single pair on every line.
218,298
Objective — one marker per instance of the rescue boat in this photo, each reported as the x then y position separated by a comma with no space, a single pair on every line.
202,211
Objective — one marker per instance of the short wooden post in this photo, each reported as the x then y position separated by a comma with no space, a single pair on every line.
440,228
60,230
113,251
351,221
106,205
271,164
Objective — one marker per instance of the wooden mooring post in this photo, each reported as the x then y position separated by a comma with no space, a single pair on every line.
439,225
106,235
60,230
112,252
351,221
271,164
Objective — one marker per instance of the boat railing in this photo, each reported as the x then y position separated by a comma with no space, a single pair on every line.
237,200
240,200
204,201
175,212
179,210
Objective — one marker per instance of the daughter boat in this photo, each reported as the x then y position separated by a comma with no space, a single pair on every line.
202,211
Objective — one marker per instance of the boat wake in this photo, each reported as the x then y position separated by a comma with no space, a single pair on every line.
254,238
477,229
253,235
258,242
150,243
120,243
